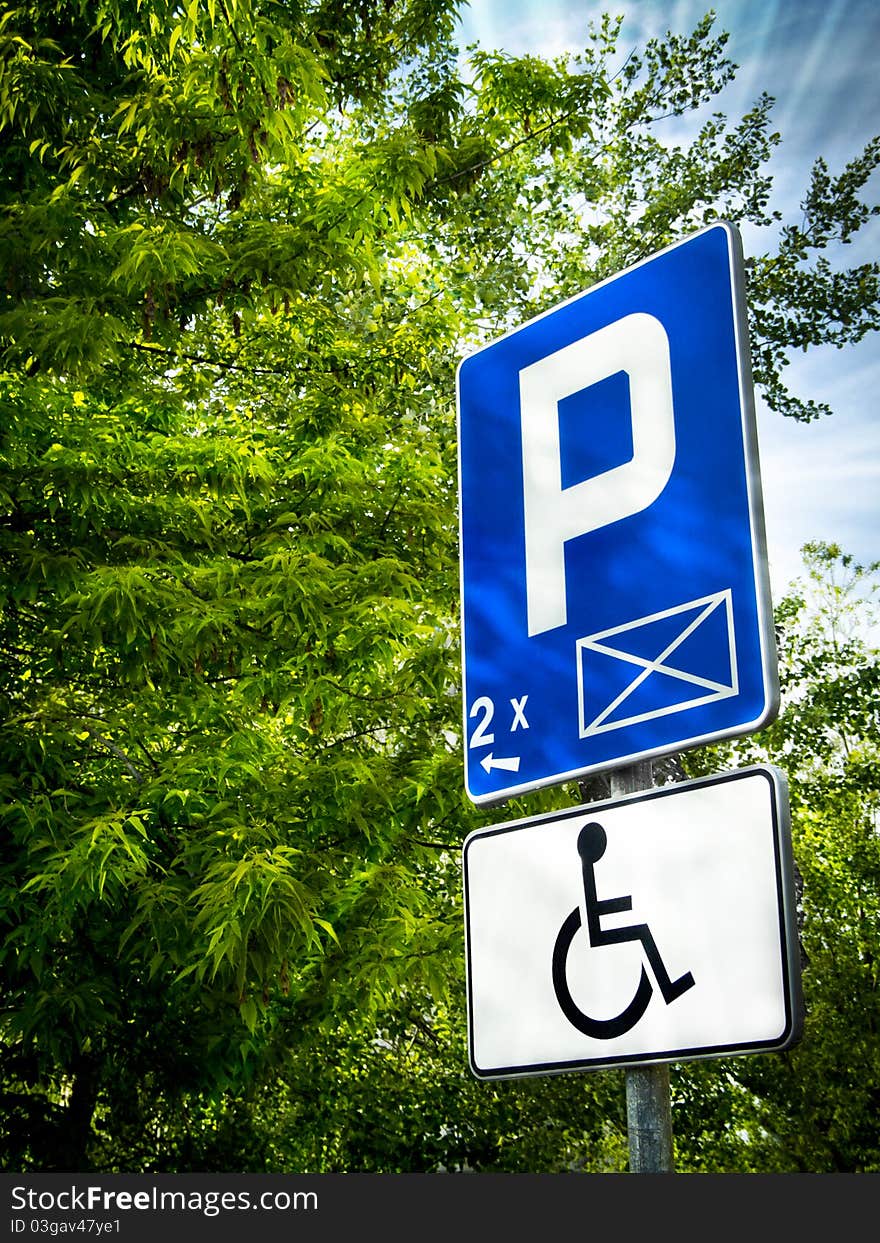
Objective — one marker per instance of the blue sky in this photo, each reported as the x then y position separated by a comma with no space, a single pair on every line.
818,59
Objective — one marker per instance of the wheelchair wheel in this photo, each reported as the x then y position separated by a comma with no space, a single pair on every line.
600,1029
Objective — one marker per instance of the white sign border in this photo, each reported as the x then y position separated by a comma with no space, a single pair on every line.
760,563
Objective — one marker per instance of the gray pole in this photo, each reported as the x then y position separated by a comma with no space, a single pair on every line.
648,1107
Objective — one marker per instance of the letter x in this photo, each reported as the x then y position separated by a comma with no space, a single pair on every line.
519,717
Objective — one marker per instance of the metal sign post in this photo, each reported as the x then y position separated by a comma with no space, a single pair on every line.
648,1099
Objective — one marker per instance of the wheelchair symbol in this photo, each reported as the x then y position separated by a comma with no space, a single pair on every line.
591,845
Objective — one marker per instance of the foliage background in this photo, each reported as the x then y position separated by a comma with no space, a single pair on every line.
244,245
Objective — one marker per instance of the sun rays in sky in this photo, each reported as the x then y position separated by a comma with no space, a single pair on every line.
818,59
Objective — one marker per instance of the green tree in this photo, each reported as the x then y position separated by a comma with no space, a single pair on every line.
814,1108
244,246
226,591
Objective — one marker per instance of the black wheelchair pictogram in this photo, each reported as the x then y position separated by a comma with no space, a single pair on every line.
591,847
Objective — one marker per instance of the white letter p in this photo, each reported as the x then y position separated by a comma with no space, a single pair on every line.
638,346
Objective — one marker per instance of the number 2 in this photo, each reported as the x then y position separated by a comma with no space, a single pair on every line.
479,738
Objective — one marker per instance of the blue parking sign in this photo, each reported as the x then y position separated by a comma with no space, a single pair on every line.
615,595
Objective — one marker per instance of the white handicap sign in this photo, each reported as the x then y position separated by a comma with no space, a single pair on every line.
658,927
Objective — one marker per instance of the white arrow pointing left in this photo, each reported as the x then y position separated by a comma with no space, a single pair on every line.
511,763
